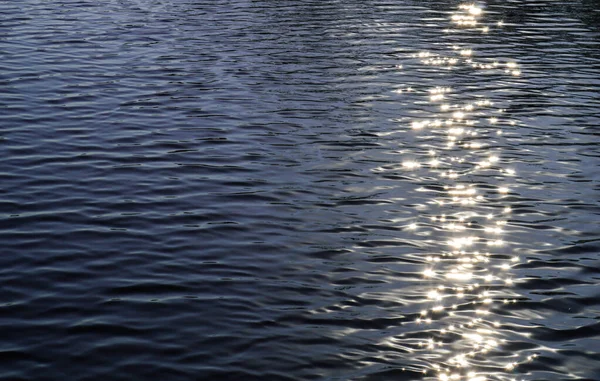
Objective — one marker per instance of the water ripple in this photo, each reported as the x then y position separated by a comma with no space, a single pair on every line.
254,189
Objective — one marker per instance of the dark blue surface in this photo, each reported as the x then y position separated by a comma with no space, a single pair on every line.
222,190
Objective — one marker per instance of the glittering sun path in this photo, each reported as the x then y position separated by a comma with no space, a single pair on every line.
470,277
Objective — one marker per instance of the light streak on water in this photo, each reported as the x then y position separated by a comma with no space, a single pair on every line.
470,275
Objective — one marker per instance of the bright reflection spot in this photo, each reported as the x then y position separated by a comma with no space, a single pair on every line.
460,361
456,131
410,165
474,337
434,162
474,10
497,242
418,125
493,229
434,294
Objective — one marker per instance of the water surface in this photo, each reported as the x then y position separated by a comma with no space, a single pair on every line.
244,190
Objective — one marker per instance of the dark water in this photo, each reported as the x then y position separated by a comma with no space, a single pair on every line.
244,190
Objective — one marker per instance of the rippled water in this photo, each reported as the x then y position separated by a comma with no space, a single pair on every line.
295,190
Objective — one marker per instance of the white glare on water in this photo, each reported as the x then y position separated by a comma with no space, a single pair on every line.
466,278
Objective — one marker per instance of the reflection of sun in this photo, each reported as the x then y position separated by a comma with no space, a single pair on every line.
468,274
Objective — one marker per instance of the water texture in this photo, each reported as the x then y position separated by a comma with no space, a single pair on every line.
300,190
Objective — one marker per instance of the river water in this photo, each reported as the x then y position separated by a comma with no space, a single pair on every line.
300,190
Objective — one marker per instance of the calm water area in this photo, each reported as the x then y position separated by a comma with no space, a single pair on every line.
300,190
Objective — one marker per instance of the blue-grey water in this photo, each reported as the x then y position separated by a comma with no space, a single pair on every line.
300,190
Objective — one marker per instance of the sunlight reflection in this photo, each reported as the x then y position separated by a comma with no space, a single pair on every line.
467,276
410,164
